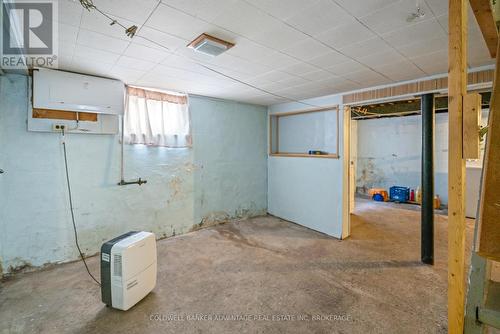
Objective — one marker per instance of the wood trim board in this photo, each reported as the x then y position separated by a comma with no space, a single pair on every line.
412,88
63,114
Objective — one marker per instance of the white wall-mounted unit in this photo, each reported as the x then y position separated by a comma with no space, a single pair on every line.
128,269
59,90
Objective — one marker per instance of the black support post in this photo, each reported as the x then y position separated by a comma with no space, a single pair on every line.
427,216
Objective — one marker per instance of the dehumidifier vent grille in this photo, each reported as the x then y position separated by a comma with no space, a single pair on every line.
117,266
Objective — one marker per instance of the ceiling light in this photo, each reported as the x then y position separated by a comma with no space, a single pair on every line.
209,45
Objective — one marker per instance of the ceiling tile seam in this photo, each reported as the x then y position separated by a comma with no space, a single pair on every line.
227,76
382,38
321,42
131,40
77,34
252,40
436,17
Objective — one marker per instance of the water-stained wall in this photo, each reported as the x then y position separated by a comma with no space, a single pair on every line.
389,153
224,176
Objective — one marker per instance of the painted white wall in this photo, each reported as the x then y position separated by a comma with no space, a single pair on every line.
389,153
313,131
308,191
223,176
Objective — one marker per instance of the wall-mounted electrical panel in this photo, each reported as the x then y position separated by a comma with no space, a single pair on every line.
82,103
59,90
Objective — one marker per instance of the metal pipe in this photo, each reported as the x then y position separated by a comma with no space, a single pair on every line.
126,183
427,213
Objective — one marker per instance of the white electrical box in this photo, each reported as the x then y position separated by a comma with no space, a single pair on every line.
59,90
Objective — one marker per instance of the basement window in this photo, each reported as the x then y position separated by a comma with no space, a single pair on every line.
156,118
306,133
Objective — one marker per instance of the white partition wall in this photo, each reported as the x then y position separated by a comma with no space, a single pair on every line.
307,190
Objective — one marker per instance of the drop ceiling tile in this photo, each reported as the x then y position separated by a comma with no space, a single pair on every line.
90,54
347,67
400,71
240,64
244,19
142,52
382,58
438,7
322,16
249,50
161,41
96,22
102,42
363,8
271,76
66,50
64,63
424,47
346,34
134,10
298,69
420,32
307,49
360,49
395,16
69,12
443,21
328,82
432,63
278,35
206,10
318,75
90,66
127,75
277,59
283,9
345,86
135,64
294,81
367,78
328,60
177,23
67,33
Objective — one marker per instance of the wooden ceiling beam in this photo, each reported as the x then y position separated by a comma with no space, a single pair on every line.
484,16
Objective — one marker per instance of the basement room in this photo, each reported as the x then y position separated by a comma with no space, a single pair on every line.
253,166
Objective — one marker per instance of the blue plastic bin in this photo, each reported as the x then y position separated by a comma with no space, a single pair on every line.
399,194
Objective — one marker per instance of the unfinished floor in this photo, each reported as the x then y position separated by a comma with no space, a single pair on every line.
264,267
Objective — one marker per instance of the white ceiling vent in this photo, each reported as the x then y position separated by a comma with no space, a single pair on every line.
209,45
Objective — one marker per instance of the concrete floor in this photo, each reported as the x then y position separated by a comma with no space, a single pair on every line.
293,280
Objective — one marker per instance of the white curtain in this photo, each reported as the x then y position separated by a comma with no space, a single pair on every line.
156,118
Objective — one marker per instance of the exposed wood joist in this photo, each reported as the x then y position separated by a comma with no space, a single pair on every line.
484,16
457,89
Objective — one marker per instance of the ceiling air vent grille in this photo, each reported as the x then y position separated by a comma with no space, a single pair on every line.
210,45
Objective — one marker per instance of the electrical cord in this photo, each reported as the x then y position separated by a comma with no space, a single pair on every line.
72,213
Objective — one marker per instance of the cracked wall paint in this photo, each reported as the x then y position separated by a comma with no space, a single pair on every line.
184,185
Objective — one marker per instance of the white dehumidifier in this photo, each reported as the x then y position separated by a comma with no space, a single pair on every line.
128,269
